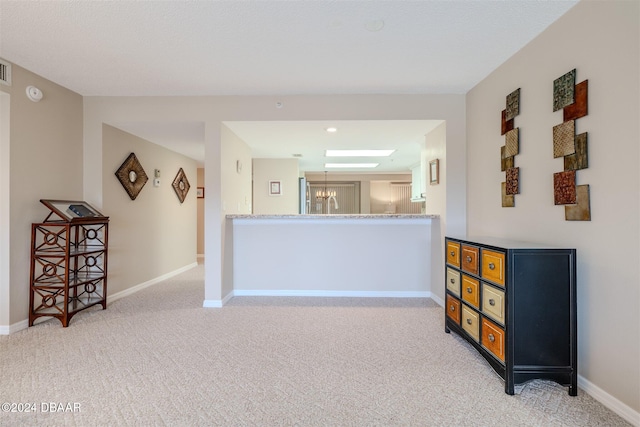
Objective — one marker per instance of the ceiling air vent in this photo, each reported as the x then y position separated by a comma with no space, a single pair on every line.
5,72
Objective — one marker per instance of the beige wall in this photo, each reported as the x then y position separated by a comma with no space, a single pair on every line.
45,163
236,191
283,170
436,147
600,40
154,234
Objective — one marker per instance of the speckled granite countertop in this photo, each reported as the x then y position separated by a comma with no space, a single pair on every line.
335,216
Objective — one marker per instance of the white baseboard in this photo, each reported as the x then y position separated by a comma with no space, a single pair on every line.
609,401
310,293
16,327
141,286
318,293
437,299
216,303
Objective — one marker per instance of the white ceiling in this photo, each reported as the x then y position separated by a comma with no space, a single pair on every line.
194,48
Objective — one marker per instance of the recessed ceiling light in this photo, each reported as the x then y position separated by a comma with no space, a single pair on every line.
351,165
358,153
331,129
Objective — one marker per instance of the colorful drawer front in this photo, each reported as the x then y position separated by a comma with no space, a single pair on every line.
453,281
471,322
493,266
493,338
471,290
453,253
469,259
453,309
493,303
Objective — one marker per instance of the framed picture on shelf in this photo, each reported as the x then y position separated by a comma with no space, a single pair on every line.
275,188
200,192
70,210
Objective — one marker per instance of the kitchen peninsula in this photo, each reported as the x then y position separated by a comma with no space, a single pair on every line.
333,255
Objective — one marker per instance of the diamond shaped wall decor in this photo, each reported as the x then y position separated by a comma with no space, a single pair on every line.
181,185
132,176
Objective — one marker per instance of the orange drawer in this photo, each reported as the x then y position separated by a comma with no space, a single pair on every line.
493,266
453,253
493,338
453,281
470,259
453,309
471,322
471,290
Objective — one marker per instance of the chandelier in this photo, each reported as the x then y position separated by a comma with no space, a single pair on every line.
325,194
328,195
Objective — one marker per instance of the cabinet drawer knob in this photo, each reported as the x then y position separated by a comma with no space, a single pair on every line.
452,253
492,302
468,259
469,290
452,308
492,266
469,321
492,338
452,280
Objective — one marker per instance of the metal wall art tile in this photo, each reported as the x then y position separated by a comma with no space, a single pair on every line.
508,201
132,176
505,162
579,159
507,125
513,104
512,186
564,139
181,185
563,90
581,211
580,107
564,188
511,140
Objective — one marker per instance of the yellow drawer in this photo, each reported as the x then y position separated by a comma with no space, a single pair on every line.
471,291
493,338
493,266
453,281
469,260
453,309
453,253
493,303
471,322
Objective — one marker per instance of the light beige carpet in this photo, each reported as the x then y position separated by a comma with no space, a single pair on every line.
159,358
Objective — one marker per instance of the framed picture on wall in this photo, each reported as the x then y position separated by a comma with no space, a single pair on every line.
275,188
434,173
200,192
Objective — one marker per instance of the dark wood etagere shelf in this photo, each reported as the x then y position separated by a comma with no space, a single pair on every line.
515,303
68,261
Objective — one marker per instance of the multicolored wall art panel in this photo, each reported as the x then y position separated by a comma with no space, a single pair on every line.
510,149
572,100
